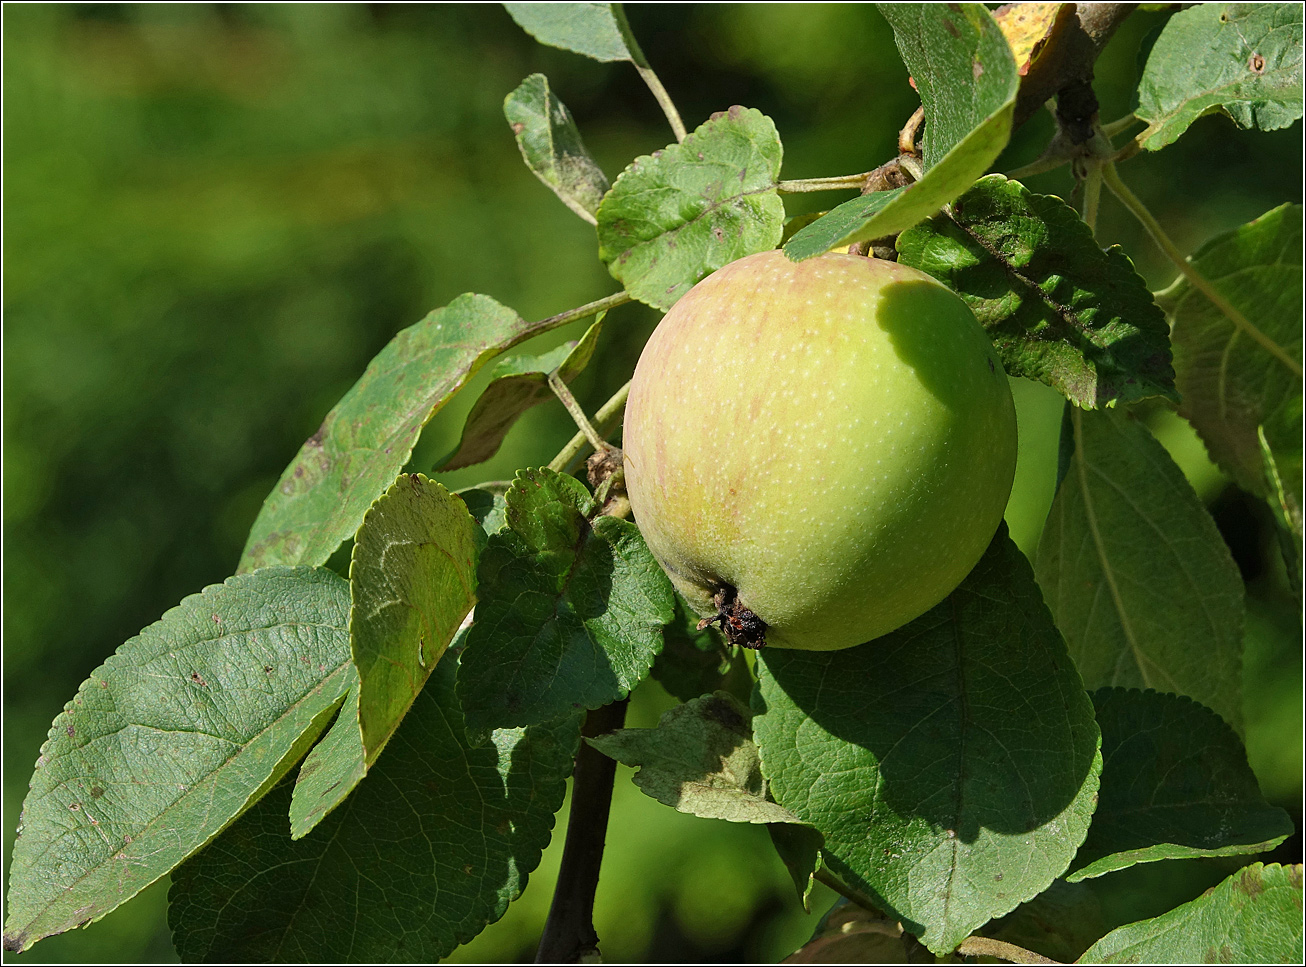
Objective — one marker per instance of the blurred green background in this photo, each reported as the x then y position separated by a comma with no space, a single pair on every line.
214,215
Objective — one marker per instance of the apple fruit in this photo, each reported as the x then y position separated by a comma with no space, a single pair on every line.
818,452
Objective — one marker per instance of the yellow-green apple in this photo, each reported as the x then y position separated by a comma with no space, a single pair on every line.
827,446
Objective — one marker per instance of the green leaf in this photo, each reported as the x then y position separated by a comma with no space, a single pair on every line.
1244,59
849,934
412,580
172,738
1175,784
692,662
1136,574
597,30
678,215
426,852
948,49
369,435
951,765
570,611
1060,923
1233,381
1059,309
516,384
552,147
1253,917
488,503
699,760
332,769
799,848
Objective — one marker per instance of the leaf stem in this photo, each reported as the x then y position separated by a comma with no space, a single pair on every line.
1092,195
569,935
988,947
607,412
646,72
1194,277
822,875
837,183
1119,126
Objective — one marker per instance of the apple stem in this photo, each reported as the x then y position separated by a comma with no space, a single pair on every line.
907,136
1189,271
561,391
608,412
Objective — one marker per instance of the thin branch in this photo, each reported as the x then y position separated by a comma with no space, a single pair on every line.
1075,41
571,315
988,947
569,936
1194,277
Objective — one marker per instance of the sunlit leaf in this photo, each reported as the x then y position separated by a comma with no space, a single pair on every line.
678,215
1244,59
179,732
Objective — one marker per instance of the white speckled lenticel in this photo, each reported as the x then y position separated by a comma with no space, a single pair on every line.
833,438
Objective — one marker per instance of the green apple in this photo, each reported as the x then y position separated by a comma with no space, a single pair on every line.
827,446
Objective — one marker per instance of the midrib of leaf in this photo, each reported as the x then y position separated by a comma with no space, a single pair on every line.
961,759
712,208
317,869
1091,516
1245,325
1222,384
182,800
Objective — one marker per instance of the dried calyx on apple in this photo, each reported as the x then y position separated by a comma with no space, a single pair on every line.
818,452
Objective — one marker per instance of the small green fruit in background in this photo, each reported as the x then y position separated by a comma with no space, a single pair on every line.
825,445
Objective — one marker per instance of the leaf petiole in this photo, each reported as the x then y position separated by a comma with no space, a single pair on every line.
1198,281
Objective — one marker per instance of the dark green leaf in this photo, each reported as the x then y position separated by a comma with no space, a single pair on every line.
412,580
369,435
951,765
678,215
1244,59
1175,784
570,612
1060,923
488,503
1253,917
948,49
844,224
1060,309
331,771
172,738
1234,381
552,147
426,852
700,760
799,848
516,384
692,662
596,30
1136,574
